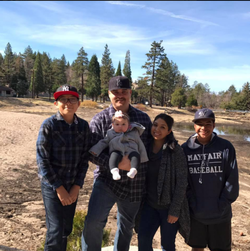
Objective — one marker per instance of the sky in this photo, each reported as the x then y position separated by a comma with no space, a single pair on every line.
208,40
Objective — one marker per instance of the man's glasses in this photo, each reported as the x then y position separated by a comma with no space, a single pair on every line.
71,100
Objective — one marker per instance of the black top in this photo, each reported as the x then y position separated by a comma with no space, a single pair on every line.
152,178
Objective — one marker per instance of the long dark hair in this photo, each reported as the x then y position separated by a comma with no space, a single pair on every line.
170,122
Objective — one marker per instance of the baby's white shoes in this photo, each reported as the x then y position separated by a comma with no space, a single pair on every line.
115,173
131,174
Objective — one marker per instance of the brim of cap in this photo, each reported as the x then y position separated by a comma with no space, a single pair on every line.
194,120
58,94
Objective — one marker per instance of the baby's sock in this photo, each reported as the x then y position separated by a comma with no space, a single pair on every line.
131,174
115,173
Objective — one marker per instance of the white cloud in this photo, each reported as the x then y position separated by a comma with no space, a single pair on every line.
164,12
125,4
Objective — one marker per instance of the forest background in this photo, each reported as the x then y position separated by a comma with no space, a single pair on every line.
34,73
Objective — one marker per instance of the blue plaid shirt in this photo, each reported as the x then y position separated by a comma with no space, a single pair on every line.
62,151
125,187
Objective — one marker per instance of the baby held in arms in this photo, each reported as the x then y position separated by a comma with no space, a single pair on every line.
123,139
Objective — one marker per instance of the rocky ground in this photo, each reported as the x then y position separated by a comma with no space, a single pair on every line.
22,216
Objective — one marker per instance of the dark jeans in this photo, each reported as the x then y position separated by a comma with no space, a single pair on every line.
116,157
59,220
151,220
101,201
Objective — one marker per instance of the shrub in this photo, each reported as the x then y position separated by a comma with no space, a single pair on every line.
74,240
88,103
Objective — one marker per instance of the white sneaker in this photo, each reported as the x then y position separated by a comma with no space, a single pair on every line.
131,174
115,174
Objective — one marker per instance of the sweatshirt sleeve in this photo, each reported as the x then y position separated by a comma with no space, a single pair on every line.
96,130
180,182
230,191
100,146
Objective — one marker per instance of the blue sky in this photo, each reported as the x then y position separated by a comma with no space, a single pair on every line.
209,41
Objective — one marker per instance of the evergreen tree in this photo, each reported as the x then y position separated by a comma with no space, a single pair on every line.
55,74
154,58
8,64
93,84
37,80
62,70
80,66
246,97
107,72
47,73
143,90
119,71
179,97
28,52
127,69
1,59
29,59
164,86
191,100
1,70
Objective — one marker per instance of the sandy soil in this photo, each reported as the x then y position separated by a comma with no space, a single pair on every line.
22,216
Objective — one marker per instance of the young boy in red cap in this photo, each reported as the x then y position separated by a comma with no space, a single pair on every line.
62,159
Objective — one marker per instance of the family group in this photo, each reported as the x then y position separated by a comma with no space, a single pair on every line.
140,166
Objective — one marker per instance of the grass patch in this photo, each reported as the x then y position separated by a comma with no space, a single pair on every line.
89,103
74,240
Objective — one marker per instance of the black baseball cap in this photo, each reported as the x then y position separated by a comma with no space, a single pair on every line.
65,90
204,113
119,82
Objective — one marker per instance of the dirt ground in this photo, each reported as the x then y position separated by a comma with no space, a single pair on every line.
22,216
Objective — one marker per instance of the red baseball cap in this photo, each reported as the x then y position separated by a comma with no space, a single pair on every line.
66,90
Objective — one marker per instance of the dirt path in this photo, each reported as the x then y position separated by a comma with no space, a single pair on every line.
22,216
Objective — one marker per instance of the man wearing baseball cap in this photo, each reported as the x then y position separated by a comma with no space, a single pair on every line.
62,159
126,193
213,184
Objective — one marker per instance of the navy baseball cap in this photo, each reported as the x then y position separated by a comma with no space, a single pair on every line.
66,90
119,82
204,113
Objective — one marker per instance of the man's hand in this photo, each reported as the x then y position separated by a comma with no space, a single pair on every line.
125,163
64,196
74,191
172,219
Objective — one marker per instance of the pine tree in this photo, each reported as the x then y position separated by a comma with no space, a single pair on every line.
8,64
107,71
163,81
37,80
1,70
47,73
118,71
80,66
93,84
179,97
127,69
29,59
62,70
246,96
154,58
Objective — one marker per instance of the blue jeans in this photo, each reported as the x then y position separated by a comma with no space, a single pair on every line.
59,220
101,201
151,220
